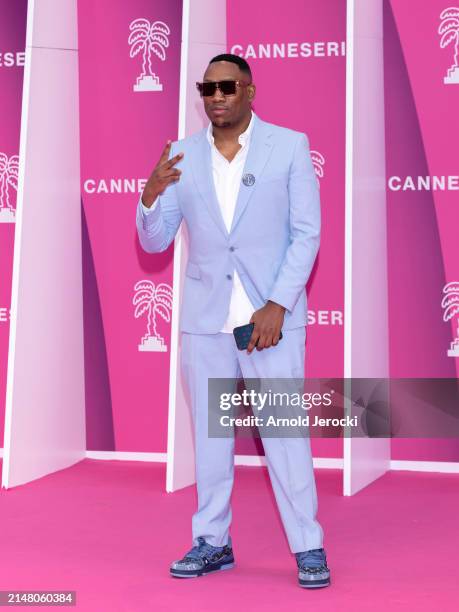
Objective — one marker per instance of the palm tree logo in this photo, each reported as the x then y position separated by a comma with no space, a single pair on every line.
9,170
450,305
449,32
148,37
318,162
152,299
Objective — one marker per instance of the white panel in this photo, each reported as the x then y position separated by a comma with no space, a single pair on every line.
53,23
202,19
45,410
207,22
366,318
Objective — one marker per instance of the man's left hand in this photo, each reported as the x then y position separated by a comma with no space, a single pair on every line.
268,324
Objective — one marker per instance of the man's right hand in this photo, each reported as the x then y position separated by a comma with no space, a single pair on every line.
162,176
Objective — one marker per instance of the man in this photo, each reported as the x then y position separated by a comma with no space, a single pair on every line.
248,194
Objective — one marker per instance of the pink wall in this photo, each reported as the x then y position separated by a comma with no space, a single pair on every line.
122,135
422,128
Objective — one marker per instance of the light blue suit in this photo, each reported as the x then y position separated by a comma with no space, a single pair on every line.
274,236
272,244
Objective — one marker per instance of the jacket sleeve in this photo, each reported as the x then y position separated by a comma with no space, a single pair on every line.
304,228
158,227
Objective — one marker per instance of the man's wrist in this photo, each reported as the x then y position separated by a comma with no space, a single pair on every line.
282,308
148,198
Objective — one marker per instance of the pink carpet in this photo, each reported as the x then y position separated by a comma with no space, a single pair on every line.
108,530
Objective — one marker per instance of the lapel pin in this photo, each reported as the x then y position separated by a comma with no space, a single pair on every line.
248,180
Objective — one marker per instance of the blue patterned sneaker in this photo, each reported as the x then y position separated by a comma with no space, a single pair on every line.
203,559
312,568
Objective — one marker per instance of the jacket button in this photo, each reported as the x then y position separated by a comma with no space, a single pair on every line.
228,276
231,248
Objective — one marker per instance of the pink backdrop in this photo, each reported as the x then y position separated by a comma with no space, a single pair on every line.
297,55
422,131
12,36
123,132
296,52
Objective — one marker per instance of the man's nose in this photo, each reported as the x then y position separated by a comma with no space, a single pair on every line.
218,95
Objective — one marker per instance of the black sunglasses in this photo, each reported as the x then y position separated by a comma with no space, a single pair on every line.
227,88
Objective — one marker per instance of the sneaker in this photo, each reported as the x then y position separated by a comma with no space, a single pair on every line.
312,568
203,559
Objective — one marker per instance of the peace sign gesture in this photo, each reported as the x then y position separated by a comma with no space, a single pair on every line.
163,174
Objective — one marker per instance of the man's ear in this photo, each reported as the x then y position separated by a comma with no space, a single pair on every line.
251,89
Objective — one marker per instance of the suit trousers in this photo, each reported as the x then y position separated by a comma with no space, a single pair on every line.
289,460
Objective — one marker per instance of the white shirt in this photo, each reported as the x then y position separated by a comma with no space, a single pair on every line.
227,180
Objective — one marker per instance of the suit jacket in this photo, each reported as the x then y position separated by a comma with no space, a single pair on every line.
274,237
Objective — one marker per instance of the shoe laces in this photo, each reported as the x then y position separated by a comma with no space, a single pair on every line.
202,550
311,559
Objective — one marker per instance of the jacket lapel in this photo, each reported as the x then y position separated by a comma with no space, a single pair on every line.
259,151
203,176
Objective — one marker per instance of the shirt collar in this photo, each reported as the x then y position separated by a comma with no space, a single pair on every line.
243,138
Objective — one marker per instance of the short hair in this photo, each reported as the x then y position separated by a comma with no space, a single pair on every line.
235,59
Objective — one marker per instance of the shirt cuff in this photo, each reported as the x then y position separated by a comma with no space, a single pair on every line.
147,210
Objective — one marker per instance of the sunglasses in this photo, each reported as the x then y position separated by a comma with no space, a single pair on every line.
227,88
